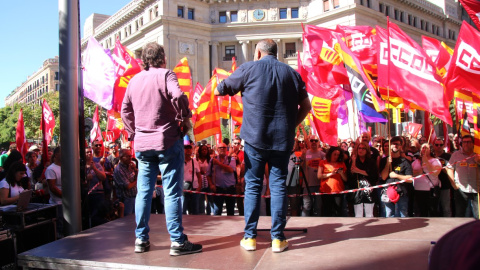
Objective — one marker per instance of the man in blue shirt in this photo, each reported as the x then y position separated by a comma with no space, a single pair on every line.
275,102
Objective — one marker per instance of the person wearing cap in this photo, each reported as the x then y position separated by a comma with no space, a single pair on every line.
393,169
275,103
156,115
312,160
37,151
191,179
221,178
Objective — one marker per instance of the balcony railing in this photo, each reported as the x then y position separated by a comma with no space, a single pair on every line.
290,55
229,57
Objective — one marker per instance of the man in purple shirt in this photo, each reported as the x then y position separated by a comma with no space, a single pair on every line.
275,102
155,113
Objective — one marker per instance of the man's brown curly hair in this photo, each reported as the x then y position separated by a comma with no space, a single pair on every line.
153,55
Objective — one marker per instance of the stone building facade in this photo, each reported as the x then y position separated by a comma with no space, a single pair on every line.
211,32
42,81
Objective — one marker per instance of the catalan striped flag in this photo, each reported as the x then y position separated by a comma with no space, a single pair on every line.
208,118
223,101
184,77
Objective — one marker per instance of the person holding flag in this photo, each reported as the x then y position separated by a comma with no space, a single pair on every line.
275,102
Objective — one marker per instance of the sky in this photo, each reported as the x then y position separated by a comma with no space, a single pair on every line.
30,36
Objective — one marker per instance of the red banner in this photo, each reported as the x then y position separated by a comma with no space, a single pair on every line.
464,70
96,133
413,129
405,67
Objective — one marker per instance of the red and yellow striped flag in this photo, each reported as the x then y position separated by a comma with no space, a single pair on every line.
223,101
476,123
208,118
184,77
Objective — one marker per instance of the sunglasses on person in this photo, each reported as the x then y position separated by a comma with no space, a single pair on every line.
222,147
438,144
313,140
98,145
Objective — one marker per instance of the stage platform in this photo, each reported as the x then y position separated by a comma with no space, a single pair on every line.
330,243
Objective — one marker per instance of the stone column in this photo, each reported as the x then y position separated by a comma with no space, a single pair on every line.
214,54
279,49
244,44
171,50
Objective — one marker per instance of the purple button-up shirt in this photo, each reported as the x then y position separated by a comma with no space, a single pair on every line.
152,108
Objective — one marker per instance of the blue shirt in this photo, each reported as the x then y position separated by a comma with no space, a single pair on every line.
222,178
271,93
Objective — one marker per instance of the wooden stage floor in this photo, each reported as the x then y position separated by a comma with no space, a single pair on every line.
330,243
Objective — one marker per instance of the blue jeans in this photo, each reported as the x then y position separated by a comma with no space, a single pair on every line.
255,160
399,209
170,163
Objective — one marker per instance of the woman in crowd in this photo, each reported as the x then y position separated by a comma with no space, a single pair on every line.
11,187
364,173
332,173
203,159
425,201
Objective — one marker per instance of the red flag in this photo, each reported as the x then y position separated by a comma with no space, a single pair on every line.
439,52
360,40
96,133
124,61
47,124
195,99
325,105
108,135
473,9
405,67
413,129
126,66
464,70
114,123
20,138
320,56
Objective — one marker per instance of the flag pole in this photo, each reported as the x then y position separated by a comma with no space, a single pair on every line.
388,92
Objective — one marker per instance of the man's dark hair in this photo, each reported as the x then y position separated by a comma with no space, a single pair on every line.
268,45
153,55
226,141
468,136
396,139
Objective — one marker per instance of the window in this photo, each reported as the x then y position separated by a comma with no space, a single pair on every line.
46,89
290,50
283,13
427,26
422,24
451,34
401,16
233,16
229,52
381,7
294,13
222,17
326,6
191,14
387,10
136,25
336,3
155,9
365,3
180,12
56,75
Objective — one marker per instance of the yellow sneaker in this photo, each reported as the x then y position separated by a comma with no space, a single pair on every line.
249,244
279,245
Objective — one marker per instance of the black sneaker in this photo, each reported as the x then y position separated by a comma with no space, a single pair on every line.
187,247
141,246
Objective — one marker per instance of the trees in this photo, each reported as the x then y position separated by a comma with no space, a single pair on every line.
32,116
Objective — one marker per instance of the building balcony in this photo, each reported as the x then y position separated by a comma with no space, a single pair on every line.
290,55
229,57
